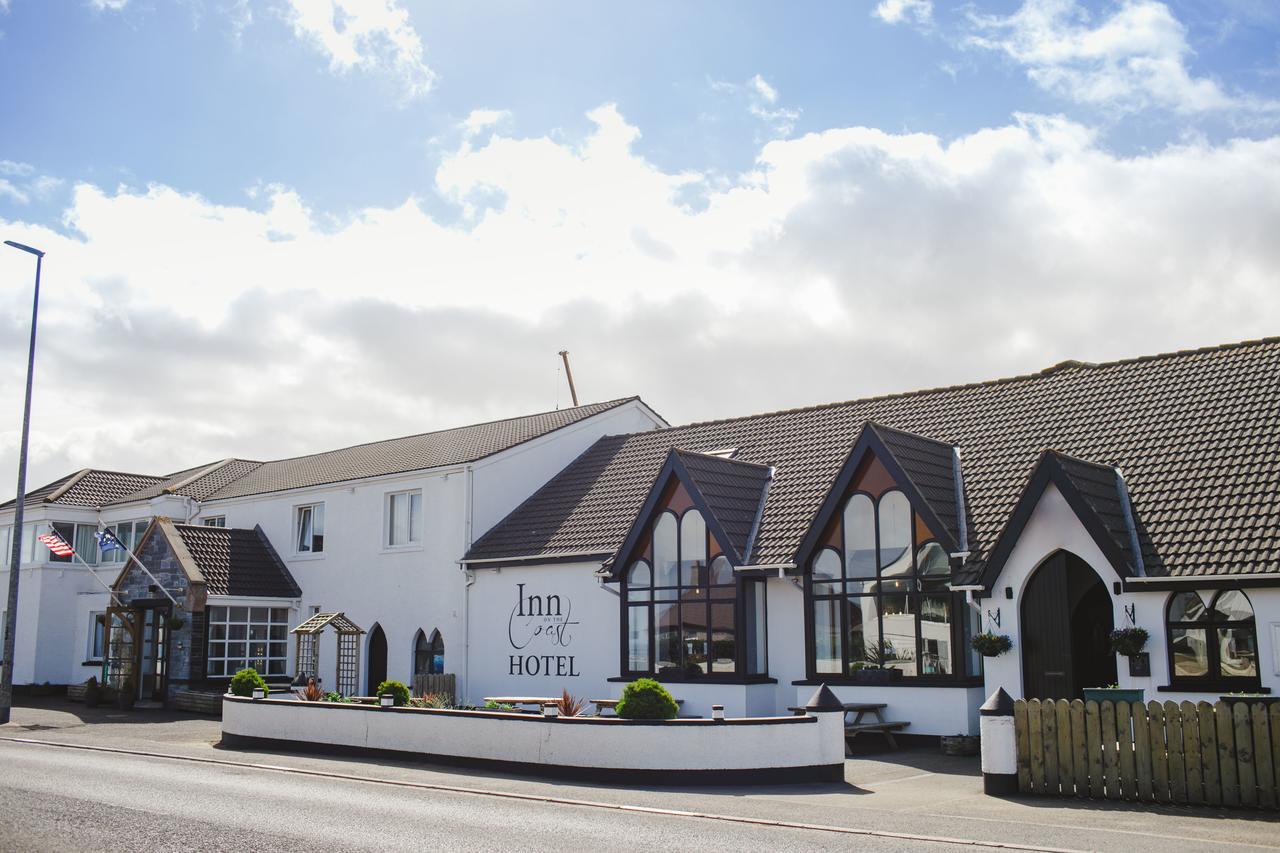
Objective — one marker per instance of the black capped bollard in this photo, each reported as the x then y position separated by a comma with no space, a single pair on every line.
999,746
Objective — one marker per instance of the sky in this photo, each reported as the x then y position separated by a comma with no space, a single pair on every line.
275,227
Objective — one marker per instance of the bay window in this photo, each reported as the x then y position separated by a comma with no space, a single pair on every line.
879,596
241,637
79,537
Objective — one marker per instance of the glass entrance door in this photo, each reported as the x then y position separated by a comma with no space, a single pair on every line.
155,656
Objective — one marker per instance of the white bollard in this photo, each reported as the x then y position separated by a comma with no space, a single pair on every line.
999,746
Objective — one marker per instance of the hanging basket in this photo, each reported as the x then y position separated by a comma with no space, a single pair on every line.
991,645
1128,641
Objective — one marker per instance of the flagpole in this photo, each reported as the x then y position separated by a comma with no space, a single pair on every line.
15,565
97,576
142,566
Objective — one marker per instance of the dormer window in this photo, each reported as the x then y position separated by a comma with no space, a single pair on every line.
681,609
878,588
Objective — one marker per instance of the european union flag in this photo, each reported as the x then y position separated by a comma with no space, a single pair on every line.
107,541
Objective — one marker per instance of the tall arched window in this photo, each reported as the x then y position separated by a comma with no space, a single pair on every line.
428,653
682,612
1213,647
885,601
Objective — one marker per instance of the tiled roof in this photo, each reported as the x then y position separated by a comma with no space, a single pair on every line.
88,488
1100,486
199,482
732,491
931,466
239,562
239,477
1196,433
413,453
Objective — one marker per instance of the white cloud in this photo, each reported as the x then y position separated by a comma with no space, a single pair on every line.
1133,58
477,120
897,11
761,101
14,169
372,35
108,5
9,190
847,262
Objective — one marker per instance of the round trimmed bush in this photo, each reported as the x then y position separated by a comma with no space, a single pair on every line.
243,682
646,699
397,690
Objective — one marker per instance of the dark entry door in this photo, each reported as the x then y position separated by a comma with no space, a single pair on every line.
1066,619
377,659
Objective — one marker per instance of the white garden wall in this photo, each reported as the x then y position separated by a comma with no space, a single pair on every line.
758,750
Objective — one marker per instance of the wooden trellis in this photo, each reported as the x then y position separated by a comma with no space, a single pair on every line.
308,649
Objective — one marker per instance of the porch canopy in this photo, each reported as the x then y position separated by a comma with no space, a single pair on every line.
308,649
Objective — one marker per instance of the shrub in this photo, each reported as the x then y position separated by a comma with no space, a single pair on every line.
646,699
991,645
334,697
1128,641
243,682
396,689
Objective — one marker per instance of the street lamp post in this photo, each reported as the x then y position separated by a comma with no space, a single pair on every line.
15,563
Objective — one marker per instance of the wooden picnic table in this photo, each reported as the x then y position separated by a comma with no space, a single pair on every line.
860,710
538,702
612,705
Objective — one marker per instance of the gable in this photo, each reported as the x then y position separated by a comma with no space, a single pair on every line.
729,495
1098,497
873,468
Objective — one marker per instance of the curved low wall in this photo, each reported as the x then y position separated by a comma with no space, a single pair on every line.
754,750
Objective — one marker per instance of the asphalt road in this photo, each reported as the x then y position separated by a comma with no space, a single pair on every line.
55,798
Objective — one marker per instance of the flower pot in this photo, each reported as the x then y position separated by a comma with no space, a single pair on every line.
871,675
960,744
1112,694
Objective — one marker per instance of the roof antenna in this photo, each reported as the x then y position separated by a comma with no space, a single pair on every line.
564,354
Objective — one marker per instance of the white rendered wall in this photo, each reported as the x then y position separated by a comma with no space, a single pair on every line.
502,482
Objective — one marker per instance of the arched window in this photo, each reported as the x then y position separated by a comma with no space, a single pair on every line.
666,557
428,653
894,515
860,537
1214,647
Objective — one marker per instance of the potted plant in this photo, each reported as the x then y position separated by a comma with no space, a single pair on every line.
244,682
991,645
960,744
92,692
1129,642
176,622
126,695
1113,693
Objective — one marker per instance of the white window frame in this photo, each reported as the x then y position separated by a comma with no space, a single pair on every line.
214,521
222,641
310,553
130,540
93,626
388,521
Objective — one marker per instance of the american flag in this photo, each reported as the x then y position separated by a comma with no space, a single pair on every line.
57,544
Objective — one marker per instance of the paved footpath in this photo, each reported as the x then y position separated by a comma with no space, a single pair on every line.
78,778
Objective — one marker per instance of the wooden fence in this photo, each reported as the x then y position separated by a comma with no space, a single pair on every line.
1226,753
439,684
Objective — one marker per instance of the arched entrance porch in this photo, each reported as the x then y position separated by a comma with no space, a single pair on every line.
1067,618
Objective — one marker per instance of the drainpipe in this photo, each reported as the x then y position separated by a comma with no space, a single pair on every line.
469,576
